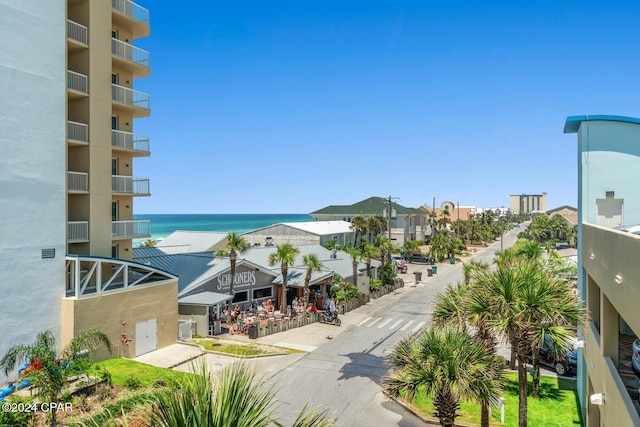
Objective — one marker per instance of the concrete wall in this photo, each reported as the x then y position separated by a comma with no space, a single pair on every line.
32,168
107,312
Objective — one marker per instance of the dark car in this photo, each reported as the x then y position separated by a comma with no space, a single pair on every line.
566,364
419,257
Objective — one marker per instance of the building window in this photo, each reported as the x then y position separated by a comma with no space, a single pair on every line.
262,293
114,123
114,210
241,297
114,251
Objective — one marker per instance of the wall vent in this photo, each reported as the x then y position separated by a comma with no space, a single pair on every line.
48,253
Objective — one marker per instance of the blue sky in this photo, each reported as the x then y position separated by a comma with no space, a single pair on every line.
287,107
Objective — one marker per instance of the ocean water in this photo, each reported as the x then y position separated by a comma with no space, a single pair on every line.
164,224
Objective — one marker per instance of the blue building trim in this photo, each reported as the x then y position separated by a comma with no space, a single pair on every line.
573,122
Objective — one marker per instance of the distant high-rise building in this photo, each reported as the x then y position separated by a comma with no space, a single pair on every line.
67,189
528,203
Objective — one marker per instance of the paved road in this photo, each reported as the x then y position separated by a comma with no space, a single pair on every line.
343,374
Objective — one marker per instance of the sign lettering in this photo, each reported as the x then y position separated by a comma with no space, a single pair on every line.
241,279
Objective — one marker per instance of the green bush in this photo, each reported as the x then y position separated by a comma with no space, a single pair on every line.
16,418
132,382
375,284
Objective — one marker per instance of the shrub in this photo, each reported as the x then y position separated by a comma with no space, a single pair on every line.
375,284
132,382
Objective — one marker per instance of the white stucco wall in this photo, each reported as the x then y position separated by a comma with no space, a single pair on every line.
32,168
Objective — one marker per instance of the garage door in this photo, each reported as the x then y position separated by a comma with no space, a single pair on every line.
146,336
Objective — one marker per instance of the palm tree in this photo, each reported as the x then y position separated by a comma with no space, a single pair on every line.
285,255
359,225
368,251
51,377
235,244
312,263
518,299
235,397
356,256
455,307
149,243
376,224
449,365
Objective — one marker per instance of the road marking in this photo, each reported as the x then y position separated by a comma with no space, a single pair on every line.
395,325
364,321
418,326
406,325
381,325
374,322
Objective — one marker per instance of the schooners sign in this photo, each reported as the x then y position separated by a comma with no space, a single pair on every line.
240,280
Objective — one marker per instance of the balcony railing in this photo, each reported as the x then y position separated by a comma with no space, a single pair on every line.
77,32
77,131
131,229
129,141
77,181
78,231
129,185
77,81
130,97
129,52
132,10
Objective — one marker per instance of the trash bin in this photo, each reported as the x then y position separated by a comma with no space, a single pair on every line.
253,331
429,272
452,260
434,268
418,275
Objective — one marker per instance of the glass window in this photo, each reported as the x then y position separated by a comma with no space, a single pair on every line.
240,297
262,293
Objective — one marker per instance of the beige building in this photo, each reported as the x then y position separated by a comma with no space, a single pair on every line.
528,203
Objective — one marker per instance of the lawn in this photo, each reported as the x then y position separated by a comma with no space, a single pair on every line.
558,405
242,348
121,371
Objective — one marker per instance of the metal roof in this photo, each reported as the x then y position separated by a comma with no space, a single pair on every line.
370,206
191,241
205,298
573,122
319,228
296,277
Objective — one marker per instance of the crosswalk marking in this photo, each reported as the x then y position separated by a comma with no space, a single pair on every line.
364,321
374,322
406,325
381,325
395,325
418,326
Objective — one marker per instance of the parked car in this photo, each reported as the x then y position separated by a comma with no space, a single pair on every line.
634,229
635,357
566,364
420,257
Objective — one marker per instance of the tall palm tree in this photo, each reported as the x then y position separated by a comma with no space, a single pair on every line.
368,251
235,244
376,224
285,255
449,365
356,256
455,307
52,371
235,397
515,301
312,263
359,225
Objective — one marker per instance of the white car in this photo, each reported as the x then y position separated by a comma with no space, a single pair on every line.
635,357
633,229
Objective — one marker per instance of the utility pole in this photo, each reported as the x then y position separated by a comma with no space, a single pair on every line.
389,213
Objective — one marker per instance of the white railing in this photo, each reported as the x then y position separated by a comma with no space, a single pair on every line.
77,181
132,10
77,131
131,229
129,52
77,81
129,141
129,185
77,32
130,97
77,231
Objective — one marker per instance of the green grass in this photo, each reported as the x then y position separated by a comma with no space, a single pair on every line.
243,349
122,369
558,405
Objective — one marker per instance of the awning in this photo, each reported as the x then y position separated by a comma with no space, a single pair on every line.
204,298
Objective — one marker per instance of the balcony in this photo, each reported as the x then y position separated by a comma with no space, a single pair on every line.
128,56
121,184
136,229
134,101
132,16
78,231
77,182
77,132
78,34
78,84
127,141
